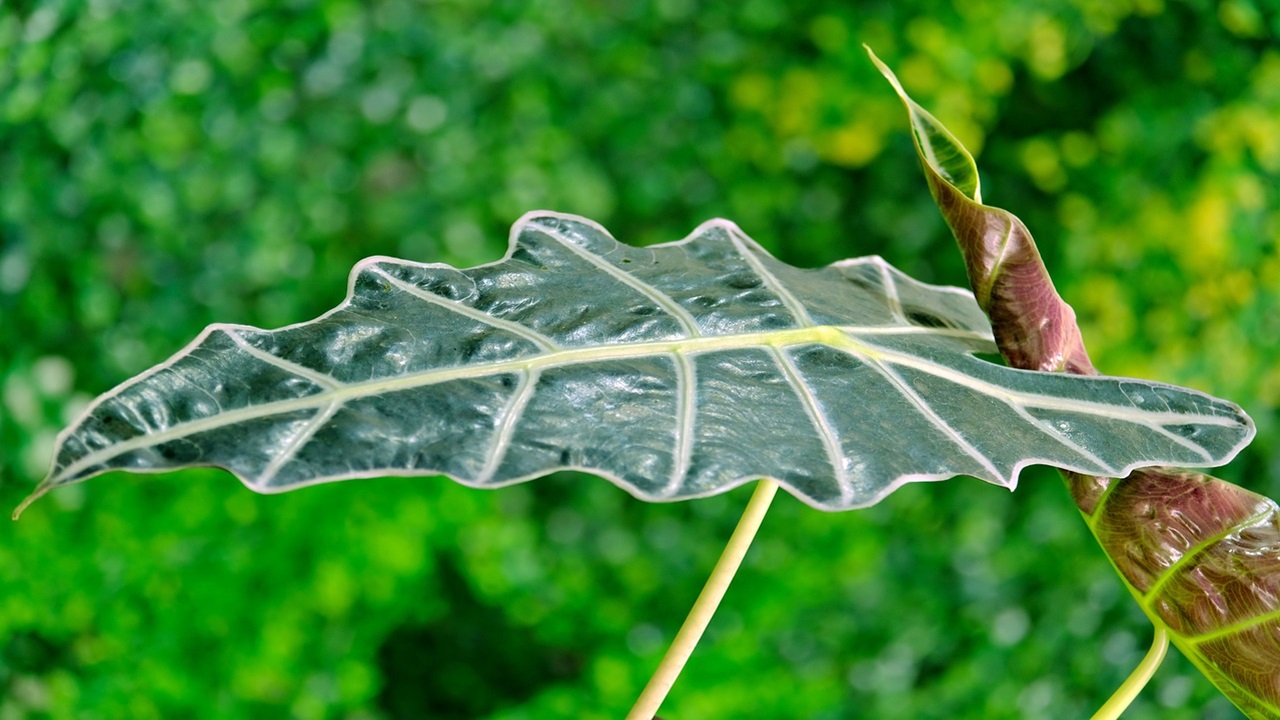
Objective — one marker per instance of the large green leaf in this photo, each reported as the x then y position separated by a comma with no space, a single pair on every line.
677,371
1200,555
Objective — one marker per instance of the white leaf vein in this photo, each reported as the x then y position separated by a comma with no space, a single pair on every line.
297,443
792,303
891,291
1148,418
1056,435
686,417
1184,441
830,438
659,298
319,378
533,336
936,420
506,425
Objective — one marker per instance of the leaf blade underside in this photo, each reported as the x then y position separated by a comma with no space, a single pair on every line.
1202,558
676,371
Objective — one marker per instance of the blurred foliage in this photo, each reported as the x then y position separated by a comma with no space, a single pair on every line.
166,165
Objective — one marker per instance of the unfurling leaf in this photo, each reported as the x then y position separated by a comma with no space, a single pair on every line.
676,371
1201,556
1034,328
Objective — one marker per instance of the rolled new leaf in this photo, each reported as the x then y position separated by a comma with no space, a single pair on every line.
1201,555
1034,328
676,371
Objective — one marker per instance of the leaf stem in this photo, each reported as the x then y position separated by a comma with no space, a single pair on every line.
705,606
1138,679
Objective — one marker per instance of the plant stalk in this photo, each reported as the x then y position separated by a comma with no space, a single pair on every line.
705,606
1138,679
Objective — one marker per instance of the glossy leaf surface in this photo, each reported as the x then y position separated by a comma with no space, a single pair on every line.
1201,555
676,371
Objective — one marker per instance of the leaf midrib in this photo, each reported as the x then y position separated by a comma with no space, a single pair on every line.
837,337
335,394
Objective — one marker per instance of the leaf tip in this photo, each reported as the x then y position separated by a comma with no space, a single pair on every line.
886,72
942,153
35,495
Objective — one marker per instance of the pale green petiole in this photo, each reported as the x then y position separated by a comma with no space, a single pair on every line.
1138,679
705,606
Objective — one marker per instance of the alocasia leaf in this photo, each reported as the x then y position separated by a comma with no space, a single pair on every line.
677,371
1201,556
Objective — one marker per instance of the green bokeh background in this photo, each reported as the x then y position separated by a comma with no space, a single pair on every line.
168,165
